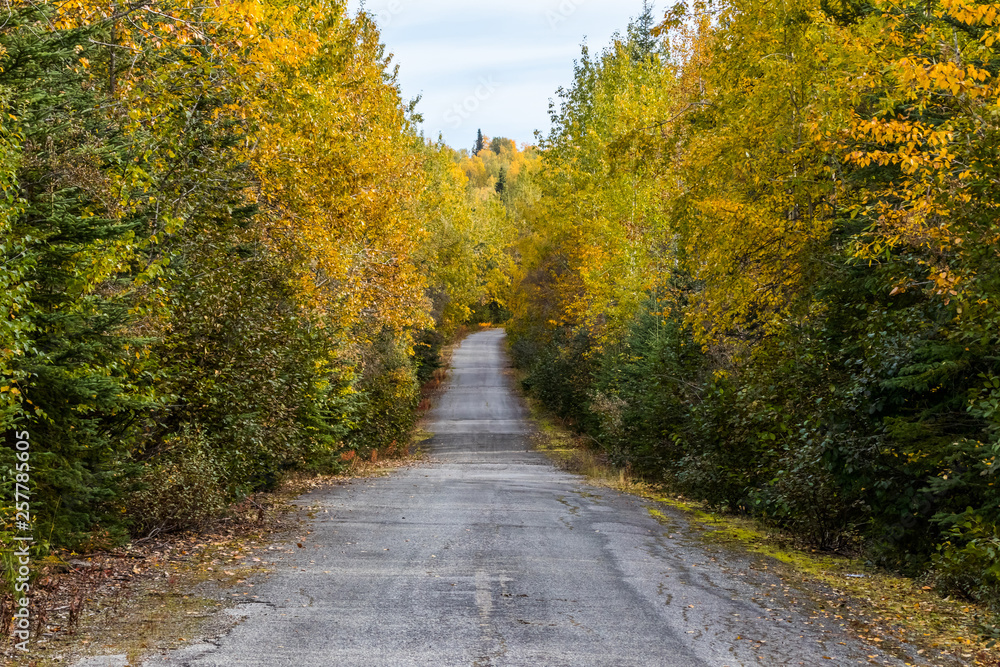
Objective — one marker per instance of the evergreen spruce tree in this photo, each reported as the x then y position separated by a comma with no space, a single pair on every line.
480,144
501,186
642,42
77,409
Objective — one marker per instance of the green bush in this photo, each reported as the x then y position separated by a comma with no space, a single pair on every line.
969,560
184,489
388,393
868,424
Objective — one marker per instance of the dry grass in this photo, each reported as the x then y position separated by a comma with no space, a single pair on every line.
155,595
881,607
431,390
147,594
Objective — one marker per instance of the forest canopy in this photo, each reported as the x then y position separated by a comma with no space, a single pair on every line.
763,270
227,254
754,259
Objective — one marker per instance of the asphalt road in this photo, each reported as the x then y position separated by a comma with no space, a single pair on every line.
489,556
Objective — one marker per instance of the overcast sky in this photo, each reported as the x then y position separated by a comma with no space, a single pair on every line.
491,64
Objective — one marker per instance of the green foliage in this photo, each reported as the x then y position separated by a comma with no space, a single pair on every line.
560,372
427,350
468,215
642,388
184,488
78,396
807,202
388,392
500,144
969,559
241,366
642,40
225,257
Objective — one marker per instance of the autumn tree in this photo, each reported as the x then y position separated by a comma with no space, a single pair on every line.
218,254
499,144
762,270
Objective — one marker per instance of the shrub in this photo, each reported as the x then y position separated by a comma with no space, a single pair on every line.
181,490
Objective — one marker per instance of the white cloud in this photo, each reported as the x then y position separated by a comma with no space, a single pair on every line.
491,64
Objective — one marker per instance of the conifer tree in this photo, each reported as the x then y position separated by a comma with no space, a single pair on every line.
501,186
72,379
642,42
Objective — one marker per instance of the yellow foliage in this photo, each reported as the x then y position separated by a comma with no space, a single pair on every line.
931,69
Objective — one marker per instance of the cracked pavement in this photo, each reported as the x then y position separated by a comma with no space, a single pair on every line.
488,555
